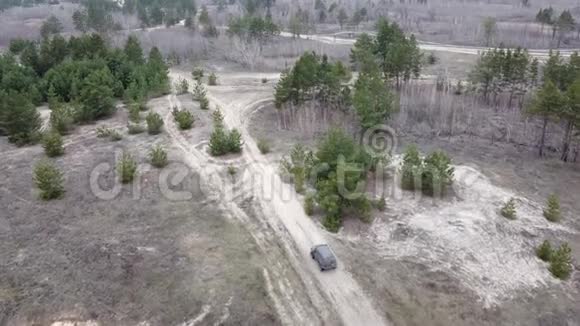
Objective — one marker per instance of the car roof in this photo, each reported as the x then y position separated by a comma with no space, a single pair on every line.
325,252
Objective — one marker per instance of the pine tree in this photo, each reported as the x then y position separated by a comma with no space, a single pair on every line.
372,100
362,55
212,79
127,168
154,123
399,56
218,141
199,91
53,144
133,50
570,113
509,209
342,17
96,96
184,118
544,251
204,103
62,118
437,173
49,180
204,18
158,73
19,118
411,170
561,262
235,142
158,157
552,210
547,104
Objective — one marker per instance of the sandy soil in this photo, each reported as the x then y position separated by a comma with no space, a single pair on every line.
456,261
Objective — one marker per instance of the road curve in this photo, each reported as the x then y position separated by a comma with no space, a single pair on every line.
340,289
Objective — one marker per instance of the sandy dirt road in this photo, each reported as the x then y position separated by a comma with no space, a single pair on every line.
430,46
338,288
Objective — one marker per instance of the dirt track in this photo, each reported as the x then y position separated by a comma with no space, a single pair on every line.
336,291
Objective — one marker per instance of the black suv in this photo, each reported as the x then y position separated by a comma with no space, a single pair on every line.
323,256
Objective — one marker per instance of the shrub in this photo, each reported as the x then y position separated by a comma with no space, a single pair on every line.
204,103
332,223
134,129
182,87
544,251
154,123
381,204
183,118
552,211
19,118
158,156
217,118
561,262
53,144
49,180
234,141
127,168
232,171
134,112
62,118
363,208
103,132
115,135
298,166
199,92
264,146
218,142
142,106
309,204
509,209
197,74
437,173
432,175
221,141
264,80
412,163
299,179
212,79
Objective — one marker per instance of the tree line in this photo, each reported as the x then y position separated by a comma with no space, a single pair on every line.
253,28
558,100
555,87
500,71
83,74
561,24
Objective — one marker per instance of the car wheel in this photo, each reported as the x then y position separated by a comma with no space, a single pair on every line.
312,255
321,269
